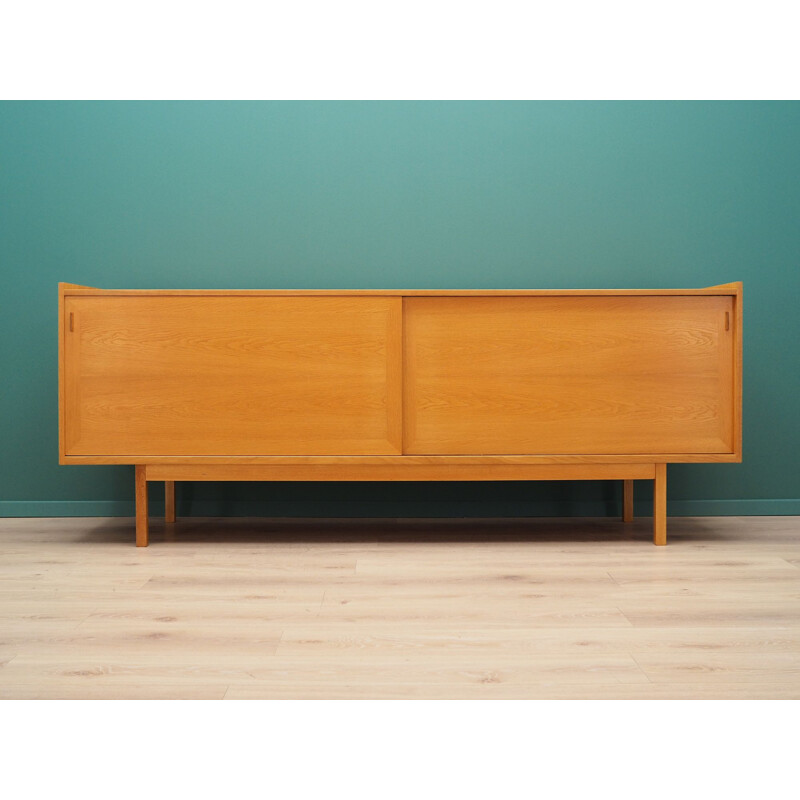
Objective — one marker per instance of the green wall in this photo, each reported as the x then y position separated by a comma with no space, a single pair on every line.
399,195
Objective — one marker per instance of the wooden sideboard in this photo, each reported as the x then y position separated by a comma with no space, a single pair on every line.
390,385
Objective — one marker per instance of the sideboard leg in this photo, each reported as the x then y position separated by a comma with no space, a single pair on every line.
169,501
627,501
141,506
660,505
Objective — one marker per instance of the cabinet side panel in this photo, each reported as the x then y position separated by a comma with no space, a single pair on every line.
70,376
737,383
569,375
61,432
232,375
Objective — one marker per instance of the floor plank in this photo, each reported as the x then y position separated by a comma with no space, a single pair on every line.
384,609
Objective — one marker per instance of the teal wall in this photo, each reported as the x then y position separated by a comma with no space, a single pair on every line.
409,195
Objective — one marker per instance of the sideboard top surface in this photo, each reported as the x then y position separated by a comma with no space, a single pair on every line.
722,289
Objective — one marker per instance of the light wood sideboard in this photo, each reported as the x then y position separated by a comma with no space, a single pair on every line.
392,385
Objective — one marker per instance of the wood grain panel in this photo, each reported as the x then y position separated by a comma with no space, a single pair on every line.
561,375
232,375
398,472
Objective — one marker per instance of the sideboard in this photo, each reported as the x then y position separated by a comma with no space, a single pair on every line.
418,385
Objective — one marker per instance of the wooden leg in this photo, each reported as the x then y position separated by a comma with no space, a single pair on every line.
660,505
141,506
627,501
169,501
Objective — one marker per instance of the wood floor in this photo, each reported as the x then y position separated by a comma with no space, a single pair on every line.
534,608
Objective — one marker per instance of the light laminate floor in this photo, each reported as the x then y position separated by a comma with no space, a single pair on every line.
523,608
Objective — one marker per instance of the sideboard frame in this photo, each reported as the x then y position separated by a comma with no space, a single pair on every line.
171,469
